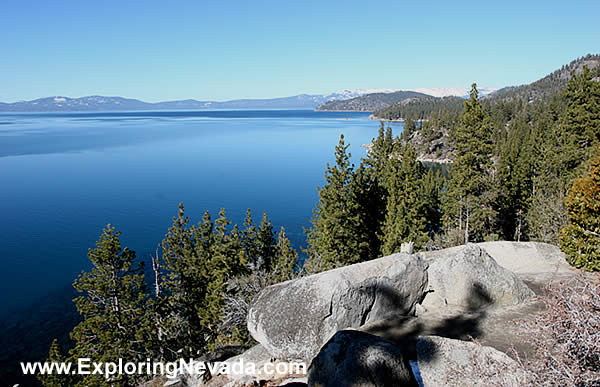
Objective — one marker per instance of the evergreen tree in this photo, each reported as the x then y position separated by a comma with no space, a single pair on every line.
546,214
409,128
380,151
333,239
580,240
227,260
56,356
581,122
285,260
370,191
468,201
251,242
113,309
432,184
266,243
368,194
515,180
184,285
405,218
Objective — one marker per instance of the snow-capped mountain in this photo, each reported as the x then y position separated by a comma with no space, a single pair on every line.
453,91
353,93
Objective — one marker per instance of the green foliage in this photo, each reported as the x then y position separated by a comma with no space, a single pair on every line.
389,199
581,122
514,183
333,239
203,270
370,102
266,243
183,286
258,243
113,307
410,127
406,213
548,86
580,239
468,201
285,263
55,355
420,108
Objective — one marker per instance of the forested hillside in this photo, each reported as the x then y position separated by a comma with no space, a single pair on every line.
535,140
548,86
544,88
419,108
370,102
511,175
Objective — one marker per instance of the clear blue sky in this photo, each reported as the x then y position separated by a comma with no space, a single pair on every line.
161,50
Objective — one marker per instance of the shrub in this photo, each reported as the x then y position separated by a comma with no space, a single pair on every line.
566,335
580,240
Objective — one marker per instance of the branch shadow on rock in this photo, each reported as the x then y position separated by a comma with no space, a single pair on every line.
404,331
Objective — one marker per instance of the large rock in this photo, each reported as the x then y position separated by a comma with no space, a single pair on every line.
353,358
471,279
528,258
449,362
536,261
292,320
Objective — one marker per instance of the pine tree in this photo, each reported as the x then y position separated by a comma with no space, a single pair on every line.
405,218
581,122
112,307
409,128
379,152
227,260
546,214
184,283
432,184
333,237
468,204
251,242
580,240
285,260
566,130
368,193
56,356
266,243
515,180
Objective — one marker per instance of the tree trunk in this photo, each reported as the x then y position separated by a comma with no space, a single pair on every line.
467,222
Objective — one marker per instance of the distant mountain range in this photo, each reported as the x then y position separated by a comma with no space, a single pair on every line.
302,101
101,103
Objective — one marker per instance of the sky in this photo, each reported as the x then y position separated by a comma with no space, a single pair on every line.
221,50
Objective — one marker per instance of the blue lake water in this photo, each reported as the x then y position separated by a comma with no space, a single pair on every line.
63,177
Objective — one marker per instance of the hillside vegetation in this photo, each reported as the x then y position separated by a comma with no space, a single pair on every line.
419,108
549,85
536,140
370,102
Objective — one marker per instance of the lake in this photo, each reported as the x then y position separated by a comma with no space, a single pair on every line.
63,177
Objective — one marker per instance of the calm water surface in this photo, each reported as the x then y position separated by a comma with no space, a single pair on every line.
63,177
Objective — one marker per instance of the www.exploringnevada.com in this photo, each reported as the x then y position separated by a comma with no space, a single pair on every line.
85,366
